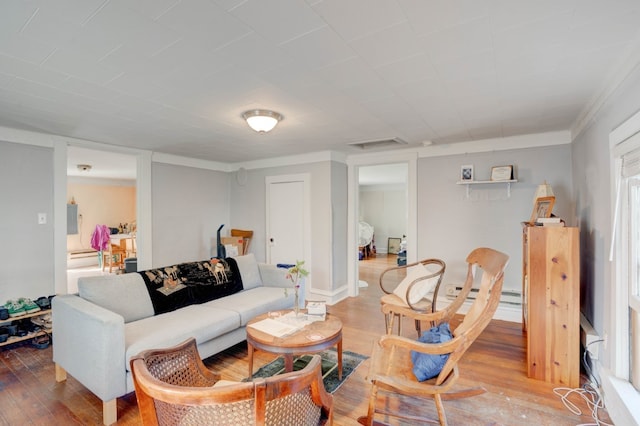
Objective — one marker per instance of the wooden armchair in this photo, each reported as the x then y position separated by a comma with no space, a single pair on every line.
391,368
407,291
174,387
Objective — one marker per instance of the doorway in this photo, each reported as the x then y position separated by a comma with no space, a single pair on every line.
382,212
355,164
101,190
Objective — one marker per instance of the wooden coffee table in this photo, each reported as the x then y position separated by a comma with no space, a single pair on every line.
315,337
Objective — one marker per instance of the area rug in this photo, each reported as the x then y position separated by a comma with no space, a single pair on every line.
350,361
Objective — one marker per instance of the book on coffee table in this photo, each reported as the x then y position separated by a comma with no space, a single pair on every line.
277,328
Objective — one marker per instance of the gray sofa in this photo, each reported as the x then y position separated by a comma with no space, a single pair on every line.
113,318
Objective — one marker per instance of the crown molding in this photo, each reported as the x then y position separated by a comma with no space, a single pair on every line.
498,144
620,73
290,160
159,157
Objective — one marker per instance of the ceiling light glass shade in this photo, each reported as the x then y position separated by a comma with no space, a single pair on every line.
543,190
262,120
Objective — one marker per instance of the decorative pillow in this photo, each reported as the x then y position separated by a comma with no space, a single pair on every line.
427,366
249,271
422,287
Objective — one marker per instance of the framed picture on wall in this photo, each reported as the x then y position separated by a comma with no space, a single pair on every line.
393,245
466,173
499,173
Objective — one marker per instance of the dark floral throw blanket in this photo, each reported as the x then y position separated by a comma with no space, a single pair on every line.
177,286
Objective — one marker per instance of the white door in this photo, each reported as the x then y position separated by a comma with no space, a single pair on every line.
287,219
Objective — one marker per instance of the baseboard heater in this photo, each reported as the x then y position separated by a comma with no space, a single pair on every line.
508,297
82,258
79,254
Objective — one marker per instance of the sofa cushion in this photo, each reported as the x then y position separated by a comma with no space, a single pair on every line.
124,294
171,328
251,303
177,286
249,271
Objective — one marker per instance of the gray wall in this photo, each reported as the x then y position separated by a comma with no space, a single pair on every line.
26,252
248,212
385,208
339,203
593,197
450,225
188,206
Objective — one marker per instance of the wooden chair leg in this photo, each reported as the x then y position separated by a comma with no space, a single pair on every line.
373,398
441,415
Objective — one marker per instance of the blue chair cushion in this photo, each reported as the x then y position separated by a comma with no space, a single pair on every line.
427,366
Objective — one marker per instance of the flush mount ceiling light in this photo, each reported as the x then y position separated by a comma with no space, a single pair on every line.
84,167
262,120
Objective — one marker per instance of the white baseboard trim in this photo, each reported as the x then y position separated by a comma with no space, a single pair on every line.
329,297
621,399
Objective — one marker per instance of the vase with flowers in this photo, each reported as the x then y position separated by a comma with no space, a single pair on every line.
294,274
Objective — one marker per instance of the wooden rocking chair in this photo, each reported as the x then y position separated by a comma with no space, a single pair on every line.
391,367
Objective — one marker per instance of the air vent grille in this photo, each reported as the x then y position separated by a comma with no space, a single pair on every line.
379,143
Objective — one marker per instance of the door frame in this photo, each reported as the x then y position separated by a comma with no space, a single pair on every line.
305,178
353,165
143,204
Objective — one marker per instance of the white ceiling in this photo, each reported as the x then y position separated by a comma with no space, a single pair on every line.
175,76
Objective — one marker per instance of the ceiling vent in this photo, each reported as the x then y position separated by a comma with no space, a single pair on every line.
382,143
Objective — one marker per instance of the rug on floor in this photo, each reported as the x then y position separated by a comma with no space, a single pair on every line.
350,361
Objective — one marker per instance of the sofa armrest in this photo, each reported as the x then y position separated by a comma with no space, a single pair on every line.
90,345
272,276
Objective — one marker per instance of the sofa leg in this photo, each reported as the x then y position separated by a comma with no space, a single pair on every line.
61,374
109,411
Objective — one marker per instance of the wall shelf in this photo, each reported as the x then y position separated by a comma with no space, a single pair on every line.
487,182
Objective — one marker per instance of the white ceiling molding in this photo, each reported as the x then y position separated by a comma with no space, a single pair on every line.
498,144
600,97
158,157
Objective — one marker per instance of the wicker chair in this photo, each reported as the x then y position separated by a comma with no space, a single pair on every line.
174,387
391,367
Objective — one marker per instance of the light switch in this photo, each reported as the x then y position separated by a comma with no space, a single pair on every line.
42,218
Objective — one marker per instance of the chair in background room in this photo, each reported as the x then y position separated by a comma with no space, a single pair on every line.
115,255
410,289
173,386
246,238
397,361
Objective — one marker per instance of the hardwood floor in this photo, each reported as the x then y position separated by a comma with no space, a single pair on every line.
29,393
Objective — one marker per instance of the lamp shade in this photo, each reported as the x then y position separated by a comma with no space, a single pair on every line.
262,120
543,190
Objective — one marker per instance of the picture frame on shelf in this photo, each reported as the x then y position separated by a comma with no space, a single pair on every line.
466,173
542,208
393,245
501,173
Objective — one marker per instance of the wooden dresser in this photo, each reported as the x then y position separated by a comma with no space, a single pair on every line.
551,303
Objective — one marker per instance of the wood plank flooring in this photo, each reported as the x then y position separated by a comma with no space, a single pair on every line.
29,394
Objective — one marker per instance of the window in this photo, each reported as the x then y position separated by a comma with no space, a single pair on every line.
626,236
